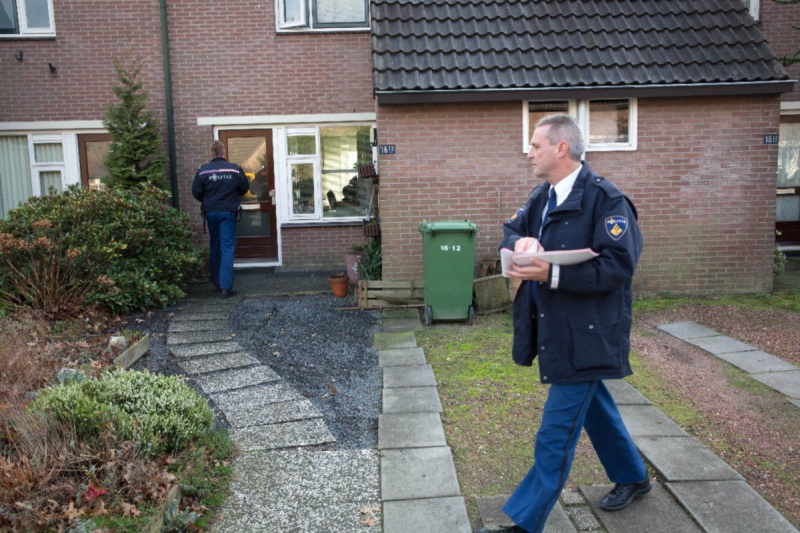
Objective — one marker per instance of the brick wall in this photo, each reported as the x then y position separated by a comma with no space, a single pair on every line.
776,25
319,248
701,179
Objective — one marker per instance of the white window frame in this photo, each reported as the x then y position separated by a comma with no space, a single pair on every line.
755,8
51,166
579,110
308,20
22,22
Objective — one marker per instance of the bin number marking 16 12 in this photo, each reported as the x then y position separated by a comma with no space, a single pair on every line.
451,247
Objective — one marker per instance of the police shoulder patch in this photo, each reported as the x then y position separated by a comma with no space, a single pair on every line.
616,226
518,213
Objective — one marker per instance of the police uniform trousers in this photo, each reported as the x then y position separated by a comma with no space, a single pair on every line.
570,407
222,233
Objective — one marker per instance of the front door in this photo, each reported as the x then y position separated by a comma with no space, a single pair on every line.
256,232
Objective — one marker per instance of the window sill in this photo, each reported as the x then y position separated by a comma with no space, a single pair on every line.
41,36
293,31
317,224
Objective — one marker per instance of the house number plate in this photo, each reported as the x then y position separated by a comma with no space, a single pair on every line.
386,149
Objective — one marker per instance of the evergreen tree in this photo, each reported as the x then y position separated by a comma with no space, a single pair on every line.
135,155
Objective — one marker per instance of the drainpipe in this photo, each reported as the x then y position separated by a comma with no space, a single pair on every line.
173,171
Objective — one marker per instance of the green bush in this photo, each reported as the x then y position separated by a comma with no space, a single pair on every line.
133,248
158,412
371,266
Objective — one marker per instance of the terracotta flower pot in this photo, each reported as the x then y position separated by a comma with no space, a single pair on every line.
339,286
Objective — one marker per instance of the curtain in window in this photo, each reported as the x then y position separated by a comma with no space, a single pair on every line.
788,205
15,173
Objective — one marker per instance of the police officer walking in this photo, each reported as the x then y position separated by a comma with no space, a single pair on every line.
217,186
576,318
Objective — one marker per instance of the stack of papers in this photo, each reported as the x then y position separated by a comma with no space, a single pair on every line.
562,257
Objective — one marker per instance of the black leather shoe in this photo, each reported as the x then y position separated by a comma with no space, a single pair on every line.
623,494
512,529
227,293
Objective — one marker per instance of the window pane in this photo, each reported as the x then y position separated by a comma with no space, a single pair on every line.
37,13
302,145
341,11
96,152
8,16
302,175
292,11
15,173
788,154
48,153
51,178
344,195
608,121
537,110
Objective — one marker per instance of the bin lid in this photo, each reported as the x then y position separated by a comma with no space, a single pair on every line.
447,225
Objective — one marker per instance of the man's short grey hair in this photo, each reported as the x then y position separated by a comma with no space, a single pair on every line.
564,128
217,149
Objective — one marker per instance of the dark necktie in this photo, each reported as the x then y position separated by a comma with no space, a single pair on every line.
551,204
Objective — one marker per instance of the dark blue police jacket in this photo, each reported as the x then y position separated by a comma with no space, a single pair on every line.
581,330
219,184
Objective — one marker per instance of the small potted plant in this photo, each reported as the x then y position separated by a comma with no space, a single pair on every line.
339,283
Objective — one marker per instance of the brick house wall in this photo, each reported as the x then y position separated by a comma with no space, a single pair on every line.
776,21
701,179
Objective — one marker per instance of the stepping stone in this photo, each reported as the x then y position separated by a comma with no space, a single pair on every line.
410,430
757,362
214,363
386,341
235,379
273,413
390,325
401,357
787,383
685,459
198,325
414,516
687,330
340,476
493,517
186,351
402,312
721,344
655,511
408,376
415,473
202,315
286,435
729,506
195,337
411,400
649,421
263,394
624,393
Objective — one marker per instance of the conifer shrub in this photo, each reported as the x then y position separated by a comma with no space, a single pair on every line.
124,249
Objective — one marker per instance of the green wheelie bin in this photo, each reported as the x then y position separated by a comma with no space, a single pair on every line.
448,264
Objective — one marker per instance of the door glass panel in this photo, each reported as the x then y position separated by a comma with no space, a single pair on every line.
48,179
250,154
37,14
302,176
48,153
344,195
96,152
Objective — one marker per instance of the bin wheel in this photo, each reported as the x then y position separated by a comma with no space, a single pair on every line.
428,315
471,315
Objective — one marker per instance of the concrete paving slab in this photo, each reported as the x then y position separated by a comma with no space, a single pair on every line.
245,511
418,473
214,363
493,517
401,357
787,383
412,400
624,393
390,325
198,325
757,362
401,312
728,507
235,379
195,337
721,344
273,413
649,421
583,518
685,459
402,339
286,435
408,376
336,518
410,430
262,394
186,351
655,512
201,314
339,476
687,330
442,515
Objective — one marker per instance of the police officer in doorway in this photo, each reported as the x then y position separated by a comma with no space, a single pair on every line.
576,318
217,186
